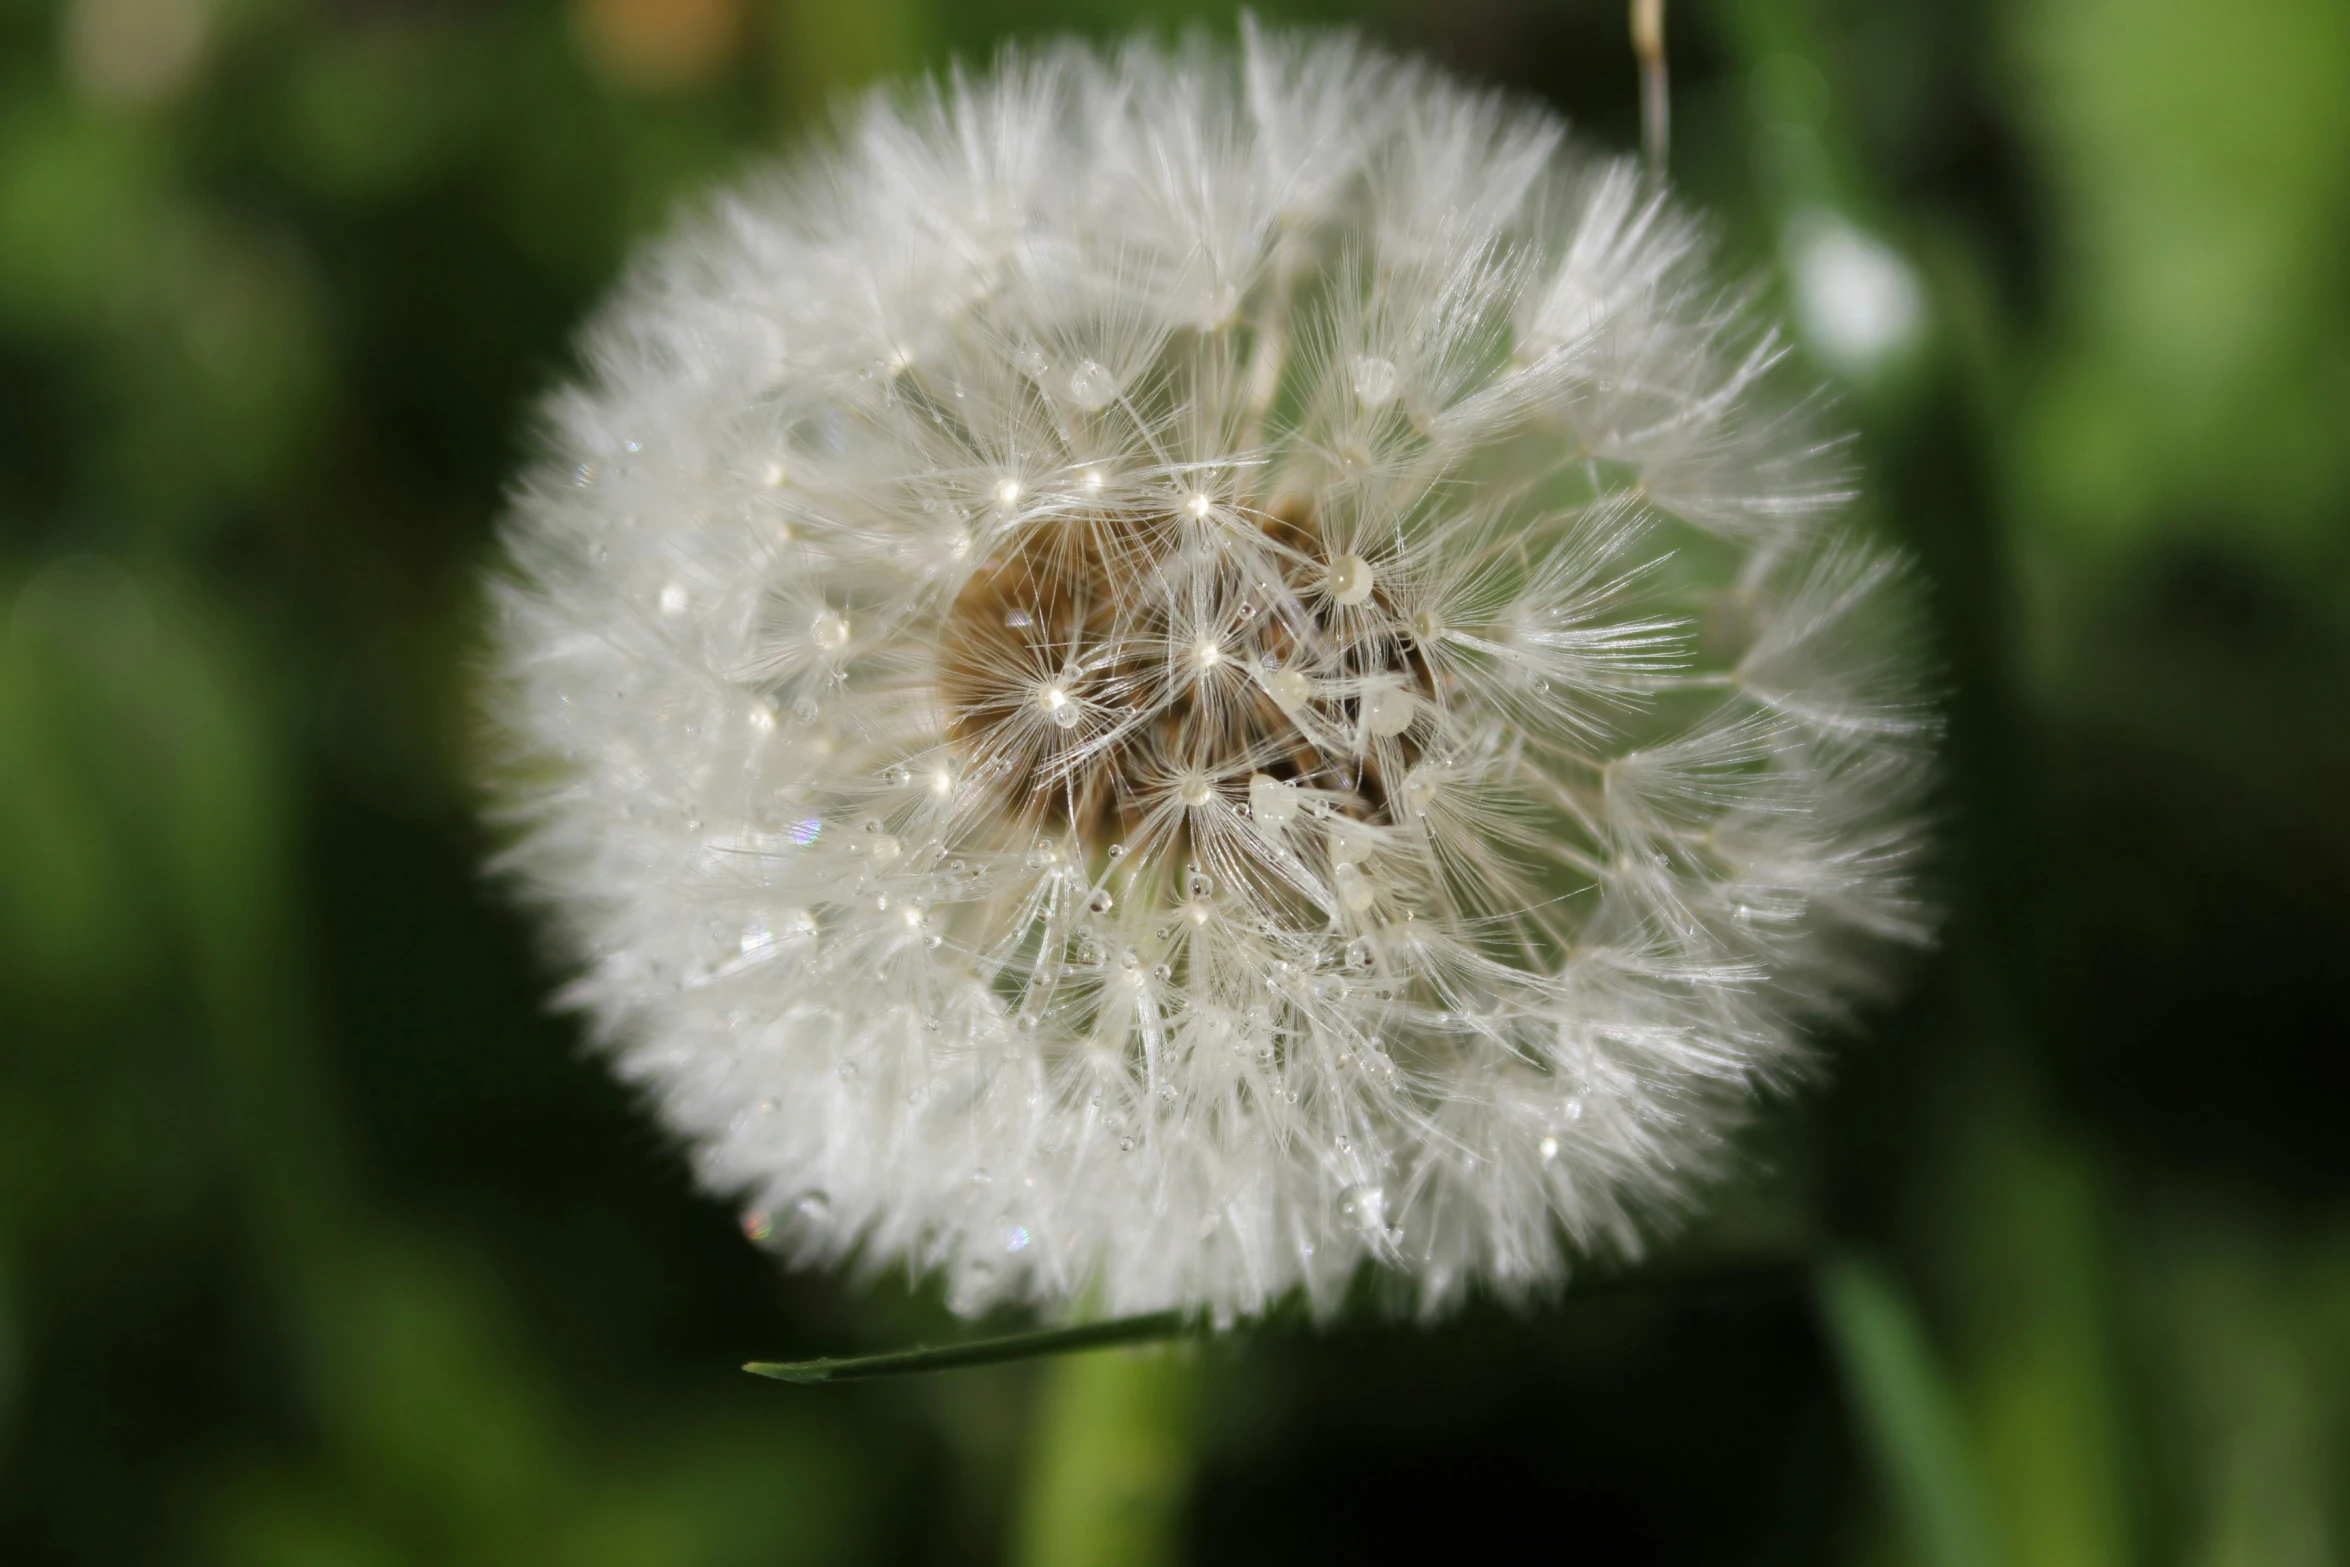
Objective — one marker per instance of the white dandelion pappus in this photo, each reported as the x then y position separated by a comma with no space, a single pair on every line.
1163,674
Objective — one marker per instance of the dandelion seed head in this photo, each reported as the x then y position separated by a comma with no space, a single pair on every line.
1309,702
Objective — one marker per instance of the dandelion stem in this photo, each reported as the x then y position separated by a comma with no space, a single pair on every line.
1112,1450
1656,114
980,1352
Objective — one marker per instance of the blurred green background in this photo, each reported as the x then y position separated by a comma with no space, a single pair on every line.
321,1244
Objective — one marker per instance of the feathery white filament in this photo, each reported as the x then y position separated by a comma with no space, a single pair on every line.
1225,665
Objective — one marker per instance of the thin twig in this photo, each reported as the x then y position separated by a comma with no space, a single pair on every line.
1656,112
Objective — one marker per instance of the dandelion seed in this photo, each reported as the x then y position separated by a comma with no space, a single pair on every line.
1326,427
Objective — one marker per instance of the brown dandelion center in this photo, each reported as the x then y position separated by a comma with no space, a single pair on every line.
1099,663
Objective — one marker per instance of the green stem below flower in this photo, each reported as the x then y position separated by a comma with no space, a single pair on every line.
1111,1459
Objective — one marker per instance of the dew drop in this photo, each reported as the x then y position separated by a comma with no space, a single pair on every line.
897,775
1271,801
1366,1206
1198,882
1126,1145
1388,710
1058,705
1197,791
1162,972
805,710
1091,386
1358,954
1016,618
1117,851
1354,888
1351,579
1289,687
1374,380
829,629
1101,902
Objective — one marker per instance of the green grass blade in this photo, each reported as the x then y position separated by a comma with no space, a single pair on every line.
1906,1413
980,1352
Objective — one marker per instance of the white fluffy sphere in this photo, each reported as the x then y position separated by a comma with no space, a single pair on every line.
1163,674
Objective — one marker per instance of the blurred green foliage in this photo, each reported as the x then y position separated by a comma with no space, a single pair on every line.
319,1244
